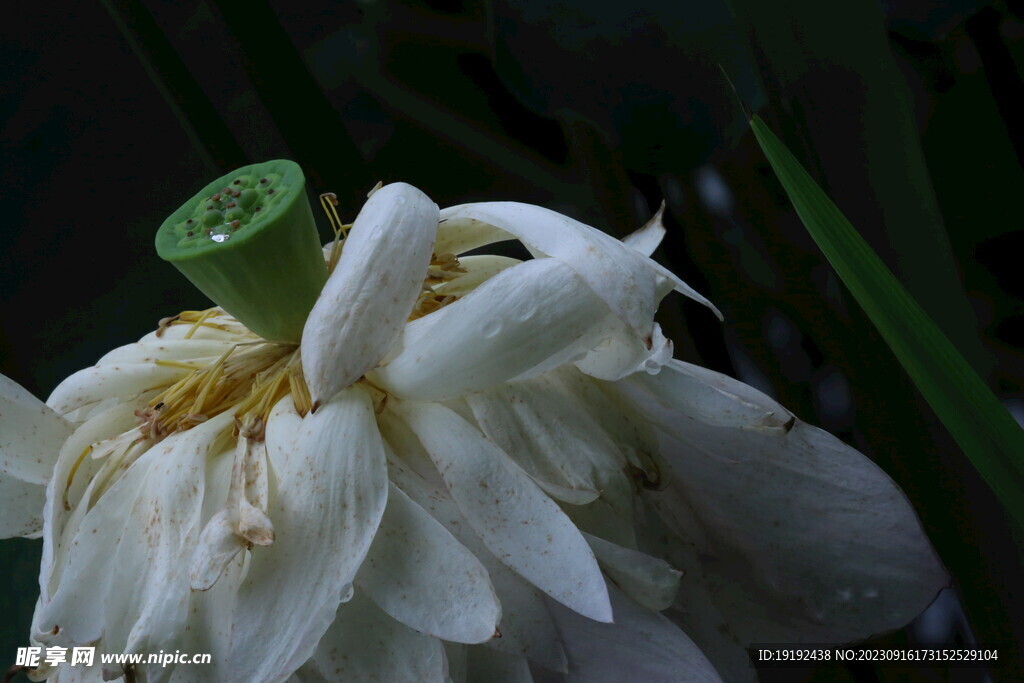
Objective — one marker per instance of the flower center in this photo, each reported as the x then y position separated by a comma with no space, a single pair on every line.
250,377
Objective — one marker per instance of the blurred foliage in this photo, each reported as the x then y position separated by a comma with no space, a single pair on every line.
908,116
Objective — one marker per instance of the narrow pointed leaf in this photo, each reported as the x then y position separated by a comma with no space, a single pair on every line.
982,427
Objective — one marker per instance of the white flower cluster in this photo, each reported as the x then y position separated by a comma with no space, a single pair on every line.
472,469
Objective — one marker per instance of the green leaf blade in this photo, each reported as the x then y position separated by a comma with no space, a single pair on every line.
979,423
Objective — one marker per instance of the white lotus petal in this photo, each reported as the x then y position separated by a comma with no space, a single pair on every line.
486,664
105,381
513,517
30,435
550,436
478,270
526,627
248,493
672,530
510,324
21,508
365,644
209,629
640,646
773,508
371,292
646,239
218,546
420,575
621,354
129,550
713,398
459,235
65,493
647,580
331,493
627,281
212,611
167,349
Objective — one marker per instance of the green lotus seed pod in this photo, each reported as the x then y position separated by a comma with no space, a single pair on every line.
248,241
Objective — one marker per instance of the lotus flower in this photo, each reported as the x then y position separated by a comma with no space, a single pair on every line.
468,468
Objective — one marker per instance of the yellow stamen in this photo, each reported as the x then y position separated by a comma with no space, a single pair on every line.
329,200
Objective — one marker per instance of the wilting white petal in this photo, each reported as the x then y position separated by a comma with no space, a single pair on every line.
627,281
21,508
218,545
486,664
646,239
713,398
550,436
621,354
209,628
526,627
648,580
510,324
105,381
478,270
640,646
31,435
64,495
331,493
365,644
371,292
772,507
167,350
459,235
513,517
129,550
420,575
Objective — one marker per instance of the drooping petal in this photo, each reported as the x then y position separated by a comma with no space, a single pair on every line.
513,322
713,398
621,354
371,292
167,350
647,238
209,628
123,382
513,517
365,644
21,508
218,546
550,436
459,235
66,504
640,646
526,627
800,522
647,580
330,496
478,270
31,435
130,550
627,281
420,575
